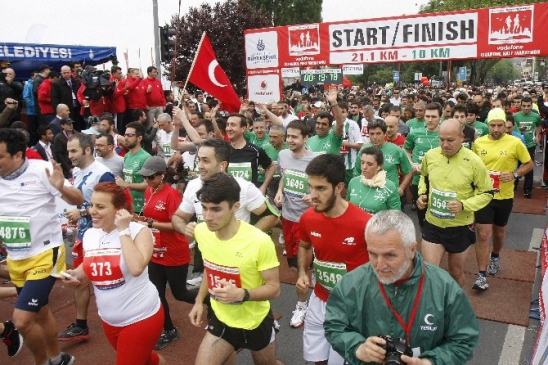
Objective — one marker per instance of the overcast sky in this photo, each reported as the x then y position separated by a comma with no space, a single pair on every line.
128,24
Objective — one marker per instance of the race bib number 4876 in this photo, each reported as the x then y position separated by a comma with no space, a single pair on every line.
15,232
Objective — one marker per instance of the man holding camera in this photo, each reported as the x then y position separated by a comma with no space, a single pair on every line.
422,308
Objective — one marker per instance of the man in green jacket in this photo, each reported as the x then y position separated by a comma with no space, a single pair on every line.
400,295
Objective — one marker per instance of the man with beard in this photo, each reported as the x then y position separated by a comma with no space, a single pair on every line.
294,198
86,173
134,160
104,147
336,250
395,285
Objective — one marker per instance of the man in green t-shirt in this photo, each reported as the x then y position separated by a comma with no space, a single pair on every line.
418,142
481,128
328,139
277,143
528,123
133,162
418,121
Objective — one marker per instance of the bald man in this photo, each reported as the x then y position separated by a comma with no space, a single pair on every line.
64,91
454,183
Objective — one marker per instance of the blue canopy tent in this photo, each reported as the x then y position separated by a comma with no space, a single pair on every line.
25,57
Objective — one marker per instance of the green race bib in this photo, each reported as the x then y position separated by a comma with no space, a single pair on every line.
295,183
15,232
241,170
167,149
328,274
438,203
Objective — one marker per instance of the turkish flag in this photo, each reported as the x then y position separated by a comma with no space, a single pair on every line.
210,77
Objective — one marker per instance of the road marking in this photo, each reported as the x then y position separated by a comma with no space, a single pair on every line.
513,344
536,239
513,341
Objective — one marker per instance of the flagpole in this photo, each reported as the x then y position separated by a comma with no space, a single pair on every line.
192,67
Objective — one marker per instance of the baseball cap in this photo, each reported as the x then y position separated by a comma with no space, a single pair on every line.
319,104
153,165
496,114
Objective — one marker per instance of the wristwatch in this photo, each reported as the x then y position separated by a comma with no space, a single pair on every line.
83,212
246,296
516,175
125,232
149,222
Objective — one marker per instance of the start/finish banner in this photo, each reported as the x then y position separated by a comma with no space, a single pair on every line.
514,31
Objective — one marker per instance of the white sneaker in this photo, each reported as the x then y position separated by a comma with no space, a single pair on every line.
195,281
192,245
297,320
281,238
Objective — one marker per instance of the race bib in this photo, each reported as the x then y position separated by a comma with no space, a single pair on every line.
102,267
158,251
241,170
328,274
295,183
128,175
15,232
217,273
344,149
365,131
438,203
495,179
167,149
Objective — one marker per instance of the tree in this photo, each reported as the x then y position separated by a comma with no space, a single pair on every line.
478,68
225,24
288,12
503,72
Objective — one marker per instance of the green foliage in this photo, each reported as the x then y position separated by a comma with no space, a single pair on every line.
225,24
288,12
503,72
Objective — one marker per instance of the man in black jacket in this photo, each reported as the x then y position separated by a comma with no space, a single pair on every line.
64,91
60,147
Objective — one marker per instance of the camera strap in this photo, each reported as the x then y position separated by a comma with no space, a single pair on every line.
406,327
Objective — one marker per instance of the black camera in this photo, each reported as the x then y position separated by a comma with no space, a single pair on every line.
395,347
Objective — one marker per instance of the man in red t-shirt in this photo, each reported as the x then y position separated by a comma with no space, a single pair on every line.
334,229
154,93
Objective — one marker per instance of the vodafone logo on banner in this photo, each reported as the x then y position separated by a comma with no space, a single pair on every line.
261,50
264,88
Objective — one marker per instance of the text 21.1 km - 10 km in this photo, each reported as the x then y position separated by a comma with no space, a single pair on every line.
392,55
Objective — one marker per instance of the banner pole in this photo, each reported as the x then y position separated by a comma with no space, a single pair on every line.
192,67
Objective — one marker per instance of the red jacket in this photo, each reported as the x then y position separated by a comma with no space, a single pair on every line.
156,95
117,101
136,99
96,107
44,97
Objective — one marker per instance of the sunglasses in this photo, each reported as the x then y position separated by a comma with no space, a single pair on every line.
130,135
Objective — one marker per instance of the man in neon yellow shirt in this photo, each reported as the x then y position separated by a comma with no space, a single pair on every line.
241,276
500,153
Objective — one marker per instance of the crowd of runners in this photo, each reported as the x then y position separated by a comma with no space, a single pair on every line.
131,182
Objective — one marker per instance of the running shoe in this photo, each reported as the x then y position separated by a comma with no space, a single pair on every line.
284,252
74,333
480,283
166,338
297,320
494,266
192,245
281,238
195,281
12,339
66,359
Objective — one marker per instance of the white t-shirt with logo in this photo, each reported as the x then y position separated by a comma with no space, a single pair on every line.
251,198
29,222
122,299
